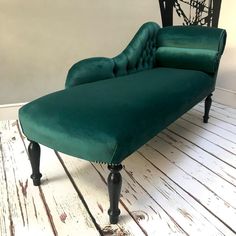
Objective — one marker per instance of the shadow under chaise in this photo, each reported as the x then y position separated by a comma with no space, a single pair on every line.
112,106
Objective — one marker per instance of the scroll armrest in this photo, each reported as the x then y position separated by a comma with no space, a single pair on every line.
90,70
190,47
197,37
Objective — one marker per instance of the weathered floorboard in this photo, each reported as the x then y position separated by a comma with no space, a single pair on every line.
209,136
6,223
49,210
199,155
224,108
221,110
219,116
94,190
151,217
204,144
210,127
220,123
206,177
201,193
24,213
66,212
186,211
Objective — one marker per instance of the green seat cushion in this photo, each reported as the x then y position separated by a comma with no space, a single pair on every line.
106,121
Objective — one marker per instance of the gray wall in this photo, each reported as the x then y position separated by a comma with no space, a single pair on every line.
40,40
227,73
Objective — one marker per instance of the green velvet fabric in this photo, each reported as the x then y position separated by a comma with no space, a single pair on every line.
191,37
185,58
139,55
112,106
90,70
108,120
199,47
191,47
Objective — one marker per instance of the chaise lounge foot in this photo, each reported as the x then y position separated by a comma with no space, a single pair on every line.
34,156
36,179
114,188
208,102
114,219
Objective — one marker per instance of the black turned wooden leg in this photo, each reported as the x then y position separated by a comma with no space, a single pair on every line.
34,156
208,102
114,187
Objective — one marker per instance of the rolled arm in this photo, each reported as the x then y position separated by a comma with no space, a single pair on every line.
90,70
197,37
191,47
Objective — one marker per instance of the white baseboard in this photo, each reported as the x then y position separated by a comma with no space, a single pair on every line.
224,96
10,111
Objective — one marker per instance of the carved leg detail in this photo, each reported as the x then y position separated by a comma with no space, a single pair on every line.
208,102
114,187
34,156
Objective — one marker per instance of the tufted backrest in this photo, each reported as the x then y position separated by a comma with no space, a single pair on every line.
140,54
180,47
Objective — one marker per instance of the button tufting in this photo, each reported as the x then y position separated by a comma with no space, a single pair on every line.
130,62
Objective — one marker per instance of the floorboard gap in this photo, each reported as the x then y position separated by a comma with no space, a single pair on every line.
201,148
193,159
79,194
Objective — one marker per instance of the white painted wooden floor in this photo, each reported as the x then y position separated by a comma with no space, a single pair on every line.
182,182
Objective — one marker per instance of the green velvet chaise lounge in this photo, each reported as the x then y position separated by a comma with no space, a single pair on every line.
112,106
